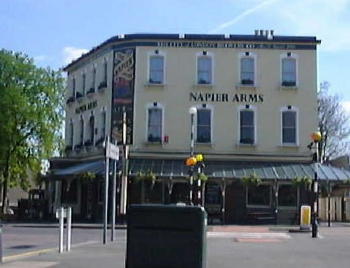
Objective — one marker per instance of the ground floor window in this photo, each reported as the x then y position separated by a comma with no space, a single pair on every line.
287,195
259,195
69,192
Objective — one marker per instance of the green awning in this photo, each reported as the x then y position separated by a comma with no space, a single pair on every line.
239,169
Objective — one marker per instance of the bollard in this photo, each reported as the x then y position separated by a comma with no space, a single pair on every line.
69,228
61,225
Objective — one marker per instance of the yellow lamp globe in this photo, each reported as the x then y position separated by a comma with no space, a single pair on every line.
316,136
199,157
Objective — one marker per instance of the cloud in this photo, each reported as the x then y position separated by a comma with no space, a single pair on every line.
241,16
72,53
346,106
328,20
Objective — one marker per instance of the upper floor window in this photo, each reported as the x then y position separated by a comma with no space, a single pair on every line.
92,129
73,86
154,127
289,70
105,71
156,68
71,132
247,62
203,125
204,69
81,130
289,126
93,81
83,83
247,126
103,121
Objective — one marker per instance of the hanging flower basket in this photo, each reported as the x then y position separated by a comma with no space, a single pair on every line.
302,181
251,180
87,177
147,176
201,176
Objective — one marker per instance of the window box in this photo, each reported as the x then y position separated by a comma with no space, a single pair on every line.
78,147
70,99
100,141
79,96
90,91
247,82
102,86
288,84
88,143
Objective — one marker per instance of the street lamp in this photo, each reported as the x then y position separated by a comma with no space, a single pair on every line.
316,138
193,112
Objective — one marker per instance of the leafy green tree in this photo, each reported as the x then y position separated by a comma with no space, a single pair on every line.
333,124
31,116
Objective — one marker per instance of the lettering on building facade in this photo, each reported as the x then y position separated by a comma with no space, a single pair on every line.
226,97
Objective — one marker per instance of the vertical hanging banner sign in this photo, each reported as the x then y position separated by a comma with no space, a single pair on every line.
123,94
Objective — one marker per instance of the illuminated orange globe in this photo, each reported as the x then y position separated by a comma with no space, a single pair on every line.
316,136
191,161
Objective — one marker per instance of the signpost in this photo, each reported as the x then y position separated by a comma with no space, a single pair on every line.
112,152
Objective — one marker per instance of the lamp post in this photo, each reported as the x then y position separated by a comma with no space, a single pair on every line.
316,138
193,112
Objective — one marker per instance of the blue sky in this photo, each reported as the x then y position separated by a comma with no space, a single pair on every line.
55,31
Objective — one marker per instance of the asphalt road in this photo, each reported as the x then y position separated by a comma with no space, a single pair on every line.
227,247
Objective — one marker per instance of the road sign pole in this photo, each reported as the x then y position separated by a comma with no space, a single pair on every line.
61,223
69,228
105,211
114,199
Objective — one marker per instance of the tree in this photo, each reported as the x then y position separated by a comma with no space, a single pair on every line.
333,124
31,115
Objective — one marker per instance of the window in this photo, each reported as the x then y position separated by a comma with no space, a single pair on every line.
83,83
156,69
154,133
103,128
73,86
259,195
81,131
289,70
247,126
105,71
204,69
93,83
287,195
247,70
203,125
92,128
289,126
71,134
69,192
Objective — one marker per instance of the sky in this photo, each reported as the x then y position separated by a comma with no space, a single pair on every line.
54,32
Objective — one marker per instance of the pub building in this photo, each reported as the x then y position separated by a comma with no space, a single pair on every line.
254,105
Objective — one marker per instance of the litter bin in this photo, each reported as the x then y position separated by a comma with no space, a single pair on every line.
170,236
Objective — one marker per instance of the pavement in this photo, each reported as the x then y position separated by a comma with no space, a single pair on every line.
227,246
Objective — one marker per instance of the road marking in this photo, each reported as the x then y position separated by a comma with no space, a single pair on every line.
28,254
241,235
258,240
29,264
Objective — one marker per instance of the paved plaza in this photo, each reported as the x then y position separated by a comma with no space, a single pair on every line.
228,246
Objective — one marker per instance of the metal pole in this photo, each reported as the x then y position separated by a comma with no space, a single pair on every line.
329,204
69,228
124,178
61,225
114,198
191,154
314,216
105,211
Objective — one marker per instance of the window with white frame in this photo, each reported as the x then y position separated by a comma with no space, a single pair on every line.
91,129
73,86
105,71
247,125
81,131
154,124
289,70
204,69
289,125
83,83
203,125
93,82
71,133
156,69
247,63
103,121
